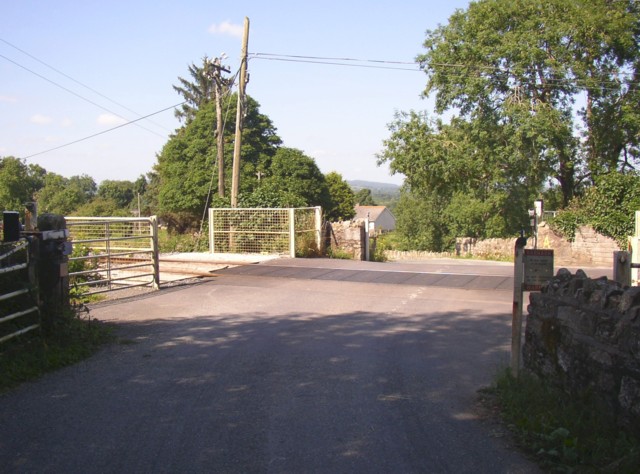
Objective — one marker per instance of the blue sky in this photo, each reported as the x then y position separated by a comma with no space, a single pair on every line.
131,53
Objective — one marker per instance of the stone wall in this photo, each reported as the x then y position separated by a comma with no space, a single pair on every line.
588,248
348,237
583,335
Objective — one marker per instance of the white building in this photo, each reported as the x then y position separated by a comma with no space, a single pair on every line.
380,218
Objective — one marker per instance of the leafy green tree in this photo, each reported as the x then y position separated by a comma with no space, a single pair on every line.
517,68
296,179
481,194
420,224
364,197
342,201
534,98
64,196
102,206
121,193
184,175
18,182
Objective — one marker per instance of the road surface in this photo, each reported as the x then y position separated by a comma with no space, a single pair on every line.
272,368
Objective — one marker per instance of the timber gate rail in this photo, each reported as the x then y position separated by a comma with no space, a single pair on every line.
111,253
18,304
264,231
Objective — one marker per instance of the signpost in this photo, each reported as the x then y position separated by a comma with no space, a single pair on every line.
538,268
532,268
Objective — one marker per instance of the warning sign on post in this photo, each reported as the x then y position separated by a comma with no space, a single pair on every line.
538,268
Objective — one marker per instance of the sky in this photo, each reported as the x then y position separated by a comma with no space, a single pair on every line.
71,71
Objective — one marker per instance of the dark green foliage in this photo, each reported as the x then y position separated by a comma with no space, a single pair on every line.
296,179
363,197
184,177
63,196
197,91
609,207
73,338
121,192
565,434
506,76
420,224
19,183
341,199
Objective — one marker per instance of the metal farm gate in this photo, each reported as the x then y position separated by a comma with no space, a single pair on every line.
264,231
111,253
18,302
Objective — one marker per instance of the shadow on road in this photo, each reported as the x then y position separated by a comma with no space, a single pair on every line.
357,392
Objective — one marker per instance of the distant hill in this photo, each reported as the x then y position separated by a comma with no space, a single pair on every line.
384,194
357,185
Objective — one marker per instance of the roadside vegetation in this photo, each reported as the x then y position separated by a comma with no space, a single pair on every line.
75,337
534,99
562,433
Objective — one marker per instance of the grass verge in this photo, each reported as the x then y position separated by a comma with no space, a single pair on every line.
563,434
73,338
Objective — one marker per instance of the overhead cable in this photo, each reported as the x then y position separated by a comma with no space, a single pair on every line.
459,70
75,80
103,132
75,93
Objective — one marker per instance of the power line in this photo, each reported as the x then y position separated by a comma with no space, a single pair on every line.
103,132
75,93
347,62
233,79
75,80
456,70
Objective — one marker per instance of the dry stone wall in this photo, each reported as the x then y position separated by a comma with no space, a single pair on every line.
587,249
583,335
347,237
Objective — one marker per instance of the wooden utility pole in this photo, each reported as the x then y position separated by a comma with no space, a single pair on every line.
235,179
217,83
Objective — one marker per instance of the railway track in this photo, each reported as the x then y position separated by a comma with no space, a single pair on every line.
125,269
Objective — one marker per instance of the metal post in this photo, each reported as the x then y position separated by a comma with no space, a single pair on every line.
366,238
292,233
107,246
212,243
155,253
516,322
318,226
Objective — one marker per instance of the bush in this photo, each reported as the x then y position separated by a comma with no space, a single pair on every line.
565,434
171,242
608,206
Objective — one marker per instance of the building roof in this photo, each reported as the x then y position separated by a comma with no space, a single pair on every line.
373,212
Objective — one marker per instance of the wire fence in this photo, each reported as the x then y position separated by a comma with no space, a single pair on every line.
264,231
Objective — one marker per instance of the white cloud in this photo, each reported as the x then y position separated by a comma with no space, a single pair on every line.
66,122
7,98
226,28
110,119
40,119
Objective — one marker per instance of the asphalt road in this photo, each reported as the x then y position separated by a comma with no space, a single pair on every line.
280,373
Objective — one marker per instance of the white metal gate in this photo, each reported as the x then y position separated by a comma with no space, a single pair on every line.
112,253
18,306
264,231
